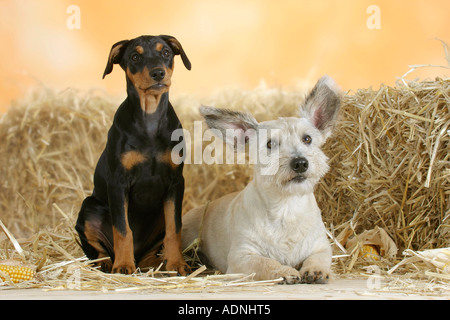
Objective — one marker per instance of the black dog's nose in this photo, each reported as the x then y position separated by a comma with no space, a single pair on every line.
157,74
299,165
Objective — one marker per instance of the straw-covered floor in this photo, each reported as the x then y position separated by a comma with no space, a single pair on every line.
389,160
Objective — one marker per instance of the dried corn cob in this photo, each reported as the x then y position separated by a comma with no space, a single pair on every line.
16,273
370,252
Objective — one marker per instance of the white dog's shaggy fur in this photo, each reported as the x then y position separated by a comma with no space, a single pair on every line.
273,227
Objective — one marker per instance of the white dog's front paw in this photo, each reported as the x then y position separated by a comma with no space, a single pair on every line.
289,275
315,275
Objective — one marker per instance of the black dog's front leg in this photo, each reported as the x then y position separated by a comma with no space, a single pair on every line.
122,235
172,240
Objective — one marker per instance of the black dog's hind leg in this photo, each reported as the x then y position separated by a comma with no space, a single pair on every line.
95,231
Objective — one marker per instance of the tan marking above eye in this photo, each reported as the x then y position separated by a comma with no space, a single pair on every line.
159,46
139,49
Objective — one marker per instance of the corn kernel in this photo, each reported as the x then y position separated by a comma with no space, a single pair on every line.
370,252
17,273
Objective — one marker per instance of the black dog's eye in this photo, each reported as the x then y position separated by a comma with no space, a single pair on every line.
307,139
136,57
165,53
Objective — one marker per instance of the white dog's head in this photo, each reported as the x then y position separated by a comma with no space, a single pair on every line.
290,159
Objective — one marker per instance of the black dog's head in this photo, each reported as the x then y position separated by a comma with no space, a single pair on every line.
148,62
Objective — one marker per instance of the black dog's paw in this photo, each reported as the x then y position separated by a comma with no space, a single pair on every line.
124,268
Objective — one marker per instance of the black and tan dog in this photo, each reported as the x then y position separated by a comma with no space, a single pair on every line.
135,208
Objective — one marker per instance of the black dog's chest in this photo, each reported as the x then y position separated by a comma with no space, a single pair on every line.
148,182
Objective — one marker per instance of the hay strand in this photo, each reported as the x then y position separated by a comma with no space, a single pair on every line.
12,239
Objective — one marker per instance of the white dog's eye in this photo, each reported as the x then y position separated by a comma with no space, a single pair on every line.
271,144
307,139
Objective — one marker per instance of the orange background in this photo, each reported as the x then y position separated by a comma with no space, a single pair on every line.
231,43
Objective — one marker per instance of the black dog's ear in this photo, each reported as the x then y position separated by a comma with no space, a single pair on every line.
177,49
115,55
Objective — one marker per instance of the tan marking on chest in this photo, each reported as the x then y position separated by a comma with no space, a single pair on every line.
166,157
132,158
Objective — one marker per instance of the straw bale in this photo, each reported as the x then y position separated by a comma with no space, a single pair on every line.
50,144
389,164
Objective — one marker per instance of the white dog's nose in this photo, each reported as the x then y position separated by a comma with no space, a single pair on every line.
299,165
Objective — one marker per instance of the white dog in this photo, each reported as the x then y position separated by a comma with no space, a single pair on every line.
273,227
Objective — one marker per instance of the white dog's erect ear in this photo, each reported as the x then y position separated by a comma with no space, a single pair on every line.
242,125
322,105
